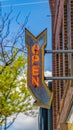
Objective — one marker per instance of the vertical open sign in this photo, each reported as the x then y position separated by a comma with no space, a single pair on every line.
35,71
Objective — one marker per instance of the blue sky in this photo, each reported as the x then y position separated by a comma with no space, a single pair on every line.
39,11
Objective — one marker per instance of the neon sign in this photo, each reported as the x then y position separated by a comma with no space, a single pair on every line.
35,65
35,77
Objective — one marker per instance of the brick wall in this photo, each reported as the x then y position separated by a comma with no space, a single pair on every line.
62,33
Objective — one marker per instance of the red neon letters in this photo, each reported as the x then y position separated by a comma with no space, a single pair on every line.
35,65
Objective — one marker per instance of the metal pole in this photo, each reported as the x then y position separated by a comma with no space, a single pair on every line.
59,78
58,51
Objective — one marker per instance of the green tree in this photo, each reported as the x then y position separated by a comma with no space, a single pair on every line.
14,96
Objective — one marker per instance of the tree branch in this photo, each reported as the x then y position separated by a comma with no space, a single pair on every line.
12,122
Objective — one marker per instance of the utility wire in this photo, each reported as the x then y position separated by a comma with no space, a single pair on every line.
3,0
26,3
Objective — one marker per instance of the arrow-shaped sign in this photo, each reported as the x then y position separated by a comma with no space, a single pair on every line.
35,77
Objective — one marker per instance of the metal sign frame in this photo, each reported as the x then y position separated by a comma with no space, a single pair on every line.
59,77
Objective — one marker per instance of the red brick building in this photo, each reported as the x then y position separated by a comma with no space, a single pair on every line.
62,39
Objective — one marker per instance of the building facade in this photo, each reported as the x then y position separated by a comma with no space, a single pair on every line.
62,39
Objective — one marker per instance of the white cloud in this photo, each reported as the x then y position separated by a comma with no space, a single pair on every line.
47,74
26,123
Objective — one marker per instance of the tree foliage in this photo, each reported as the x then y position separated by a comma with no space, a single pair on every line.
14,96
